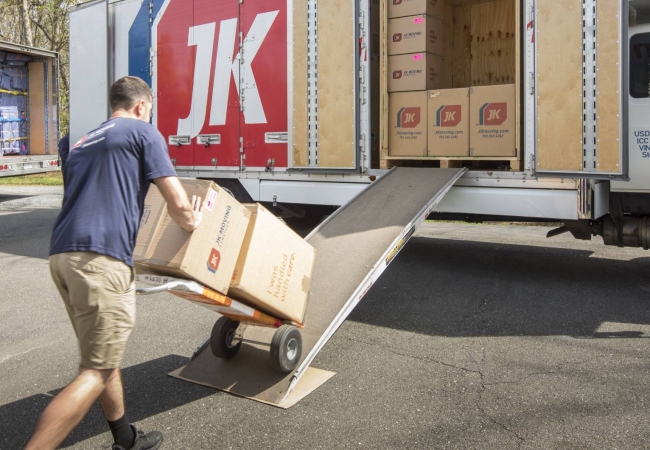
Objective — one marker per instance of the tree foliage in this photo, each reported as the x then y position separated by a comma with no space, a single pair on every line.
41,24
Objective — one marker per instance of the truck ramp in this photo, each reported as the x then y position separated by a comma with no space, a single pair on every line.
353,247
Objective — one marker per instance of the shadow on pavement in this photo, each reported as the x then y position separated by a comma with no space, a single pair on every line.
473,289
148,391
27,233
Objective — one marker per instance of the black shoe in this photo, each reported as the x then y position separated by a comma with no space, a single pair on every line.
149,441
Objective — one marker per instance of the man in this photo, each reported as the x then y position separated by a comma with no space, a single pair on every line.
107,176
64,148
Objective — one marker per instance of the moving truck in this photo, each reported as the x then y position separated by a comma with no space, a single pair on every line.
29,129
287,102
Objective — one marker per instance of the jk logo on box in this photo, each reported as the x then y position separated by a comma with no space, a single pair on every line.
493,114
397,74
214,260
397,37
448,115
397,2
408,117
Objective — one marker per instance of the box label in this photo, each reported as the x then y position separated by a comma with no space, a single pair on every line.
213,260
212,197
449,115
408,117
493,114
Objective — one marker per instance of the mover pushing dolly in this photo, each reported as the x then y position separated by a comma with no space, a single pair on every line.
228,332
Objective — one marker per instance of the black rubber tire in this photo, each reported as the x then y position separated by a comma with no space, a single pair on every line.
286,348
221,338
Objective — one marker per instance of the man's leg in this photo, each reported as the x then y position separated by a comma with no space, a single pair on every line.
67,409
112,402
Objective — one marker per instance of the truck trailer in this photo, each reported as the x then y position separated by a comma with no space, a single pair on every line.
29,128
293,103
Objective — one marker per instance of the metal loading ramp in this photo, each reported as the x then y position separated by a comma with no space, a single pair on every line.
353,247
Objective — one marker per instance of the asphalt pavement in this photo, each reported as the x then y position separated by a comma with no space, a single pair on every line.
486,337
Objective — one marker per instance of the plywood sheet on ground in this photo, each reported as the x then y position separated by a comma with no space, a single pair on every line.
559,85
608,87
336,78
347,247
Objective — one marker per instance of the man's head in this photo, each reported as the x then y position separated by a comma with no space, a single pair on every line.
131,97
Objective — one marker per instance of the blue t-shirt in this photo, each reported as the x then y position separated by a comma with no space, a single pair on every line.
107,176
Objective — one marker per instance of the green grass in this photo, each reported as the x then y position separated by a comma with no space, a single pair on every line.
39,179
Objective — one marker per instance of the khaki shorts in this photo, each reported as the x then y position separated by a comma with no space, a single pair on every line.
99,294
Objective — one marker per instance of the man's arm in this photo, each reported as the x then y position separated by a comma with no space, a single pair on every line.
185,212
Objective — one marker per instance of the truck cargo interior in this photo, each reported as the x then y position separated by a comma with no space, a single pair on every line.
28,121
481,48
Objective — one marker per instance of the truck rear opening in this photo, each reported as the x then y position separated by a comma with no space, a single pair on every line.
28,110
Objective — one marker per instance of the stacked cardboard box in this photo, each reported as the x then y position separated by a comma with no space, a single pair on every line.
415,65
467,122
239,250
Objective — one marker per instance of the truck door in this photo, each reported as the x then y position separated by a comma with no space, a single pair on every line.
88,67
263,84
325,58
197,104
576,65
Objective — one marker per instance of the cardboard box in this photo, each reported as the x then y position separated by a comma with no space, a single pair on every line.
273,272
408,124
492,121
448,113
403,8
415,34
208,254
415,72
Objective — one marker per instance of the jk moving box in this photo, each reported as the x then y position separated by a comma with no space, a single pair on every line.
449,122
492,121
402,8
273,272
415,72
415,34
209,253
408,124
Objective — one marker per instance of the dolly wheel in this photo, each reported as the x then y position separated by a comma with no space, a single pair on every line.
286,348
221,339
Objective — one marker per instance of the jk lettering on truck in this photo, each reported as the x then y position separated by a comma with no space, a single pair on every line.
408,117
492,114
448,115
221,69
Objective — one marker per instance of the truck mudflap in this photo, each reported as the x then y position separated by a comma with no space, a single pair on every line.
353,248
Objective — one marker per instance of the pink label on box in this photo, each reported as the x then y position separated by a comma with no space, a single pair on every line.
418,20
417,57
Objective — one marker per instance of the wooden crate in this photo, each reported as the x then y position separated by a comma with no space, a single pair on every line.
482,48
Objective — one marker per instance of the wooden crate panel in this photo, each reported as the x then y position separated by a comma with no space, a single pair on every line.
461,63
559,85
608,82
493,43
300,88
336,99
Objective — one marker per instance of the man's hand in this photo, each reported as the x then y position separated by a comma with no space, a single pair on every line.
186,214
197,208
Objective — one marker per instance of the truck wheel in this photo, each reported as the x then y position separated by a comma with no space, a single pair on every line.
221,339
286,348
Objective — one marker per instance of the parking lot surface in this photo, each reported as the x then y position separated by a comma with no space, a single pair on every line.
486,337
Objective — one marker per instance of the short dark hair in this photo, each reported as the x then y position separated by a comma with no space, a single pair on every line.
127,91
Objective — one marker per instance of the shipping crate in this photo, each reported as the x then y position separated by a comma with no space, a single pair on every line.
482,46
